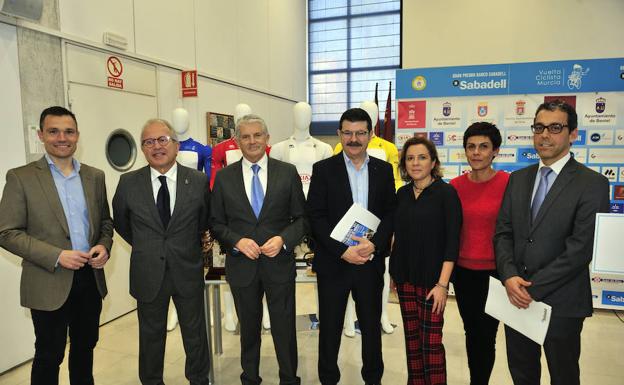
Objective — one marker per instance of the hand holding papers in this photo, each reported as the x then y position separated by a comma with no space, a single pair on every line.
532,322
357,222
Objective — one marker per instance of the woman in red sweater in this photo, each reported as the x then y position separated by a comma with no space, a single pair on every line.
481,193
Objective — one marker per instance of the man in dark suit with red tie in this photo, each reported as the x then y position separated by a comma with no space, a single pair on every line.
543,244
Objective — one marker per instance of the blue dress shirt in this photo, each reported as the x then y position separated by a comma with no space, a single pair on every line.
74,204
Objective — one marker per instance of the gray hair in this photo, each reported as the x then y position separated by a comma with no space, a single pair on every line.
249,119
165,123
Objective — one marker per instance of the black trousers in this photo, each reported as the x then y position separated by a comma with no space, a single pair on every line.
153,335
562,347
80,315
366,285
471,290
281,304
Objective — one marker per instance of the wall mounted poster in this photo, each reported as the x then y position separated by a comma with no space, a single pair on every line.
440,103
219,126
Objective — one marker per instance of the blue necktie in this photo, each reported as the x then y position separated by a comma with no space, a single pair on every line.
542,190
257,194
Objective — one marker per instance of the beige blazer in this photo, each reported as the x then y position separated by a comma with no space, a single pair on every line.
33,226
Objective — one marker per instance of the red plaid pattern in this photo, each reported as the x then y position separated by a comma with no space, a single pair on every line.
426,363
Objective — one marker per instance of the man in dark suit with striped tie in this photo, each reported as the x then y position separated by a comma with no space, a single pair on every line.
258,217
543,244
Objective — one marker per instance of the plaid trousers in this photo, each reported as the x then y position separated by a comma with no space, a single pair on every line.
426,363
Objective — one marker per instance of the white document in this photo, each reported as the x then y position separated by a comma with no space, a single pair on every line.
357,221
532,322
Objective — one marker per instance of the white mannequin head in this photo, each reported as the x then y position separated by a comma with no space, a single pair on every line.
241,110
372,110
180,123
302,113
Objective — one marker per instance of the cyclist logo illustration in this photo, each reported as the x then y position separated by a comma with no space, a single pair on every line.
576,76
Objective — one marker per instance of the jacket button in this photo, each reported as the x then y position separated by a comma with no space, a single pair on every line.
529,240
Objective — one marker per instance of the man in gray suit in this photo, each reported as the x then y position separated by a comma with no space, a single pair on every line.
54,214
162,210
257,216
543,244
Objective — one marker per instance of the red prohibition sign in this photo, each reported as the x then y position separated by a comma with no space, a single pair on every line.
114,66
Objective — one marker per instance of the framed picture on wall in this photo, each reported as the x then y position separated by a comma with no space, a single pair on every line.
220,127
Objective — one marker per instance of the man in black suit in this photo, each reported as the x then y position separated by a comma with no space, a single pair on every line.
258,217
162,211
543,244
337,182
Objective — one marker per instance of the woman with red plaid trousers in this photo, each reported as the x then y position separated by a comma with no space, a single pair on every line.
427,225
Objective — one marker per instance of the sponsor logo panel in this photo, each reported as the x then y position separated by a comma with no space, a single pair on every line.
437,138
412,114
606,155
506,155
614,298
580,154
527,155
610,172
454,138
445,114
519,137
443,155
450,171
597,110
600,138
619,137
457,155
616,208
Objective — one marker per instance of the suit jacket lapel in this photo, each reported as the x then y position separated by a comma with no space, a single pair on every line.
372,174
273,175
88,186
184,188
342,177
145,185
566,176
49,189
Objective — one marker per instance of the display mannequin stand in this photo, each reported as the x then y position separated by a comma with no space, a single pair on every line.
191,154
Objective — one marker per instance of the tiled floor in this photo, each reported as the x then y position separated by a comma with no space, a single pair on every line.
116,358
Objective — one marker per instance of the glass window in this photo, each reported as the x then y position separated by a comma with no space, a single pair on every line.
353,44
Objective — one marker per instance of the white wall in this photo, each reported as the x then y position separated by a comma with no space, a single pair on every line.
258,44
16,333
459,32
245,51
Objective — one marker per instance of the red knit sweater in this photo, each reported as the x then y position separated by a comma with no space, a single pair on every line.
480,205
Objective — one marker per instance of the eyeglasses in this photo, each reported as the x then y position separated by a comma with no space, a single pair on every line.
358,134
553,128
162,140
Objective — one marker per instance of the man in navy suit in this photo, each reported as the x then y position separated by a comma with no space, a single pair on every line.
337,182
543,244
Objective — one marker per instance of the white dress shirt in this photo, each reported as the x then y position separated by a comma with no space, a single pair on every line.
248,174
172,176
555,167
